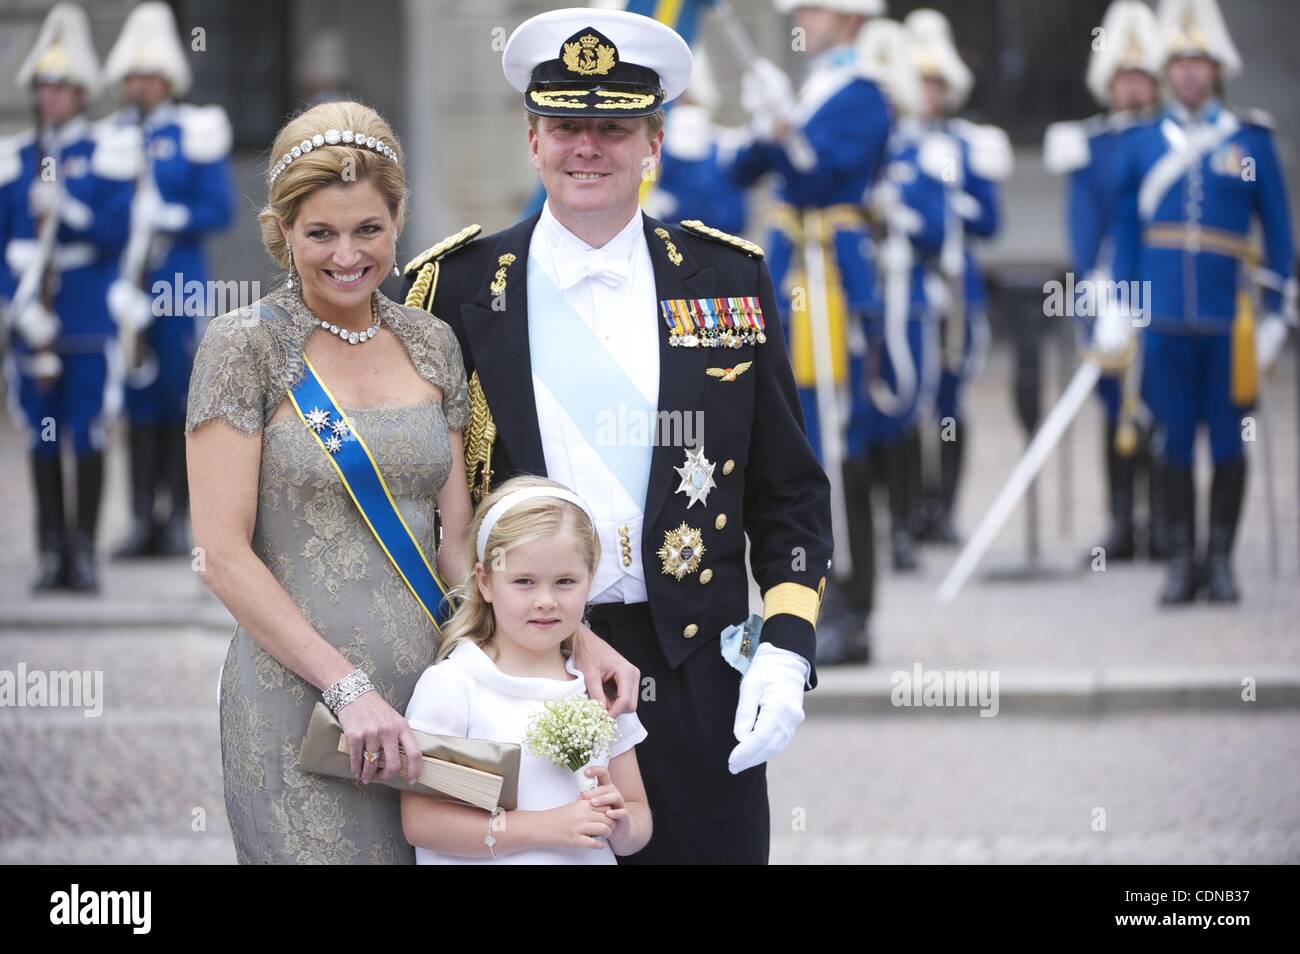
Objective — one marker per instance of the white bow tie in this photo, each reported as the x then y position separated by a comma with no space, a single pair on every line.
607,267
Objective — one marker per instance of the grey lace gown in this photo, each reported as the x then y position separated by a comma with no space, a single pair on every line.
310,536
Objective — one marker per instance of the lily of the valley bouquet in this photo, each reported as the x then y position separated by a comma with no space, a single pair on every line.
571,732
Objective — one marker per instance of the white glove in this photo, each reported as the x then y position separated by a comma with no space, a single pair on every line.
1111,332
170,217
42,197
768,96
37,325
940,158
1270,338
770,707
131,307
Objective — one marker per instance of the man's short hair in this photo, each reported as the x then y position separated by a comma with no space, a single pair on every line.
654,122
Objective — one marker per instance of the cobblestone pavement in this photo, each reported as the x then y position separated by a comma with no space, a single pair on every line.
142,782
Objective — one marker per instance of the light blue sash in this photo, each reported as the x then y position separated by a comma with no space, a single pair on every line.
589,384
356,467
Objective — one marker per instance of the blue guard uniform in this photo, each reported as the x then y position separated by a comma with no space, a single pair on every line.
972,211
60,370
1084,152
897,380
183,196
834,151
1187,189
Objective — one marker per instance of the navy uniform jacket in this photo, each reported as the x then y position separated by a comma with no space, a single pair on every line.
775,492
1183,215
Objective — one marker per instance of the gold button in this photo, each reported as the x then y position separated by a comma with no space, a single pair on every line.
706,576
728,467
720,522
690,631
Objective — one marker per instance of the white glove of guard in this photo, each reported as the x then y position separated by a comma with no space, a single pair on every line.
170,217
768,96
37,325
1270,337
940,158
131,307
770,706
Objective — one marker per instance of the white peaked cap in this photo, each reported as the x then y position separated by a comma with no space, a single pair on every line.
639,44
1127,42
63,51
884,49
150,43
1194,28
868,8
936,54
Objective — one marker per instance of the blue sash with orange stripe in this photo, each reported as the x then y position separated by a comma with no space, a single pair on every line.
356,467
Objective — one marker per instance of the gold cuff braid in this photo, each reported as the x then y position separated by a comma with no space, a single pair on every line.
793,598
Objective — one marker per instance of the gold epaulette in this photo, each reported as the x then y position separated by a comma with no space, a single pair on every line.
427,264
449,244
480,434
726,238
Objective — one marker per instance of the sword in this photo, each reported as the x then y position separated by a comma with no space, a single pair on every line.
1035,456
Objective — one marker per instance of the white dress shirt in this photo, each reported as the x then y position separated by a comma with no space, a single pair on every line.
612,289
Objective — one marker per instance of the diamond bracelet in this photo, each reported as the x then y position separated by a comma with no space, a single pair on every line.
347,689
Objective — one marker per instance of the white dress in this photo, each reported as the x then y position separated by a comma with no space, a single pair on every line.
466,695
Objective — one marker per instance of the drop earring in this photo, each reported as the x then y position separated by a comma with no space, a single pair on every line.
396,272
290,280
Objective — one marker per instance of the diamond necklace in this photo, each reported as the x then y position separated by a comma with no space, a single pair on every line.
354,337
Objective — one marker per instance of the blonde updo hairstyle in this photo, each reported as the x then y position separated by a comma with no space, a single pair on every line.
326,166
524,524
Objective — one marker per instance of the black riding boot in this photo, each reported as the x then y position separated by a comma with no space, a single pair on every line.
1183,578
142,540
1226,493
1118,543
47,478
81,547
900,527
842,636
950,458
175,539
1157,516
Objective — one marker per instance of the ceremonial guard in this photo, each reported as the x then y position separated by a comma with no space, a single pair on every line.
65,187
183,194
825,147
644,366
1121,77
970,160
1188,187
907,209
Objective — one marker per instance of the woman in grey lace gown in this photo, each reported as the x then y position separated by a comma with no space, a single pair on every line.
282,543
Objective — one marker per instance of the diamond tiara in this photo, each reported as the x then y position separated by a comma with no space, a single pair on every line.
333,137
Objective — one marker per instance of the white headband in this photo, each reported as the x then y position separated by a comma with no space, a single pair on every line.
332,137
519,496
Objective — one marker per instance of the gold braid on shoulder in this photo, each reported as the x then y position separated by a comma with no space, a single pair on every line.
481,431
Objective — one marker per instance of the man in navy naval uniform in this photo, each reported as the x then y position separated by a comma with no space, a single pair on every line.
1121,78
1187,188
644,366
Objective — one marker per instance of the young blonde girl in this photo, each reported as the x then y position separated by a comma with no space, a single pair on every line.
532,556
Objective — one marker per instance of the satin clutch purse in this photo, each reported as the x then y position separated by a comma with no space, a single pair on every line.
480,772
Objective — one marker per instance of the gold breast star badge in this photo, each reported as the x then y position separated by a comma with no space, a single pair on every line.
681,551
729,374
697,477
